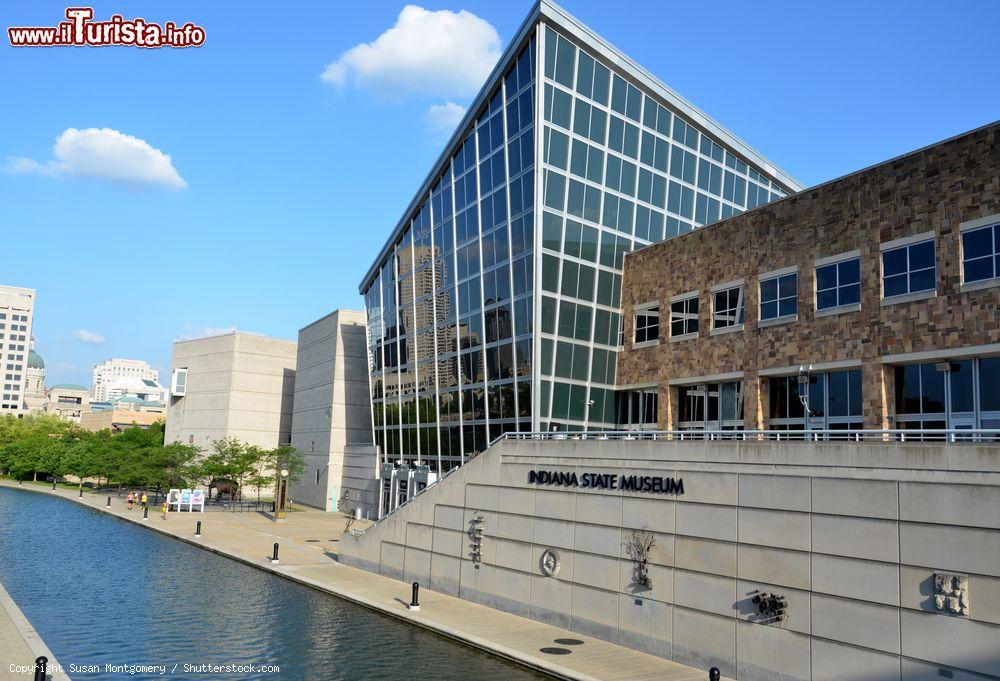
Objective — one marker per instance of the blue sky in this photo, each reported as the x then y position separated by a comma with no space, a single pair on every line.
292,182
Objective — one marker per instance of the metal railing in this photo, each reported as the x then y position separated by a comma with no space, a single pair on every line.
956,436
947,436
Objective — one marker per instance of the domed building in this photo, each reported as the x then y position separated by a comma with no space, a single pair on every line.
34,385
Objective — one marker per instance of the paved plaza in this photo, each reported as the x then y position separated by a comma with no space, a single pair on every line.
309,540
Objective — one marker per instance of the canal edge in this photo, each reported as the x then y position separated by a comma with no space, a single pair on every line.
549,669
29,634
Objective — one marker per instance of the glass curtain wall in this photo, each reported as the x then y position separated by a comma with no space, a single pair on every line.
450,310
619,171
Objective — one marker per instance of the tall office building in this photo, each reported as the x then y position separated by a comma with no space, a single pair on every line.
17,307
111,370
494,305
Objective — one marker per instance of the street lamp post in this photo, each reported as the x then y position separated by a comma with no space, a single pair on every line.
281,499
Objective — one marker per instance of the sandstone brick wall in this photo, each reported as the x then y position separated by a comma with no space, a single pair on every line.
936,188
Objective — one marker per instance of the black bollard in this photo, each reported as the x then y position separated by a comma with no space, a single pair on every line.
41,667
714,674
145,513
81,493
274,558
415,598
53,485
197,529
109,502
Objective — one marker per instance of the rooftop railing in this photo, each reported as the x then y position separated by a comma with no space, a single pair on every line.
948,436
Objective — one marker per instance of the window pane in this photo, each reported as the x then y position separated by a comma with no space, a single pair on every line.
931,389
895,286
961,386
839,393
849,271
825,299
908,389
769,290
849,294
978,269
989,384
826,277
816,401
922,281
894,262
977,243
921,255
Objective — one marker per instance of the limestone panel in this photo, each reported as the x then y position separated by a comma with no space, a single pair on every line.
416,565
595,612
780,529
837,662
656,515
476,583
513,555
598,509
645,625
445,574
856,537
704,555
770,654
482,497
555,533
958,549
985,604
519,527
556,505
517,500
704,641
953,641
551,601
861,624
510,591
870,498
775,491
450,517
709,522
973,505
861,579
710,488
596,571
707,593
599,539
774,566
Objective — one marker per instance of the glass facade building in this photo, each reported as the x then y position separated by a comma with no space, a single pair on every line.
495,304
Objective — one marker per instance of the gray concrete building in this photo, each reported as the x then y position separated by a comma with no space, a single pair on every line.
332,411
17,308
236,385
852,561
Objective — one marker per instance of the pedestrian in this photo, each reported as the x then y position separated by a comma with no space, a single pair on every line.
144,501
163,509
131,500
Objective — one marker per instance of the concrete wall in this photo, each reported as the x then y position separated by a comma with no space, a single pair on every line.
331,405
850,535
239,385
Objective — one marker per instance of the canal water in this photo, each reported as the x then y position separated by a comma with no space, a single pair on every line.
103,591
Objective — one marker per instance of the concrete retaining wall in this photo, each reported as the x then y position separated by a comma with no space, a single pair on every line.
852,536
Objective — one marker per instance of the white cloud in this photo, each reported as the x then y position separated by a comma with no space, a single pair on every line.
85,336
105,154
441,119
443,53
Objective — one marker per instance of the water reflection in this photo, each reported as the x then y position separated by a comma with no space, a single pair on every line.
100,590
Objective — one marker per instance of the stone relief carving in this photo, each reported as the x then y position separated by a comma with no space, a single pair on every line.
951,593
549,563
638,546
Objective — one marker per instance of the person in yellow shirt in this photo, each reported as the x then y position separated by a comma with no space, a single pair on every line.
143,501
163,509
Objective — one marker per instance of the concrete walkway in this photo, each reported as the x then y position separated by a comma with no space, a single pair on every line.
20,644
308,542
